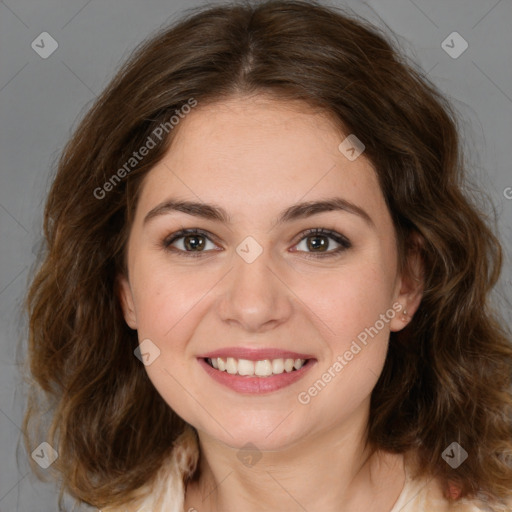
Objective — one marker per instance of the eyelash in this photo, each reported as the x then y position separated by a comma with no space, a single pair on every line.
337,237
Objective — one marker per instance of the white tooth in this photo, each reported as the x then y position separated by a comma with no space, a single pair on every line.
245,367
278,366
231,365
263,368
288,365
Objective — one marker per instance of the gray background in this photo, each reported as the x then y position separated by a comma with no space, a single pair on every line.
41,101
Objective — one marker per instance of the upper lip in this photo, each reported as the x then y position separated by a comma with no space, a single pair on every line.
253,354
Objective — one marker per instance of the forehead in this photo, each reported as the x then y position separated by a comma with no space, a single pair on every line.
254,155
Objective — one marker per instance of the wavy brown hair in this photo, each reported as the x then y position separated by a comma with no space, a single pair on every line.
447,376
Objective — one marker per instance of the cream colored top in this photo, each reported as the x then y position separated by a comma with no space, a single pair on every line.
425,495
167,493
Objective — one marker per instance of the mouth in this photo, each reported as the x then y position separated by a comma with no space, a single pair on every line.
262,368
250,370
257,376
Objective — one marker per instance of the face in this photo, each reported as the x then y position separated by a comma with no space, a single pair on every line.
263,279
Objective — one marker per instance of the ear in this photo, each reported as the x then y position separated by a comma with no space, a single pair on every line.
410,285
125,295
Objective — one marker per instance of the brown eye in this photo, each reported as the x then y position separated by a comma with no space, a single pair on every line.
320,242
317,243
189,241
194,242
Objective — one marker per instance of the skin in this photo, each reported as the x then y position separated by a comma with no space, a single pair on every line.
254,157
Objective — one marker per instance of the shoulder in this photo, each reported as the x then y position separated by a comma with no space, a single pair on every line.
167,491
425,494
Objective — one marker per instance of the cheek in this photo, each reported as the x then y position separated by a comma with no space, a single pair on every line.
355,337
167,301
169,307
349,299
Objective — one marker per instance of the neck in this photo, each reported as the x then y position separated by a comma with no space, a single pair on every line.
333,469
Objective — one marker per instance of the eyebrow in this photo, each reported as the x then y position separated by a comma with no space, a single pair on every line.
296,211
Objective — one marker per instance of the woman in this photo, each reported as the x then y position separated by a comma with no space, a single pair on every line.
264,287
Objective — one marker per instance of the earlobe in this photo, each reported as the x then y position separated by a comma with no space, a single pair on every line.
125,297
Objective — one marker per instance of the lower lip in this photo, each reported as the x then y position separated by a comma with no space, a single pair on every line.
256,385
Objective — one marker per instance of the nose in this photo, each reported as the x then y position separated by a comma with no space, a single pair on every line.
254,297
